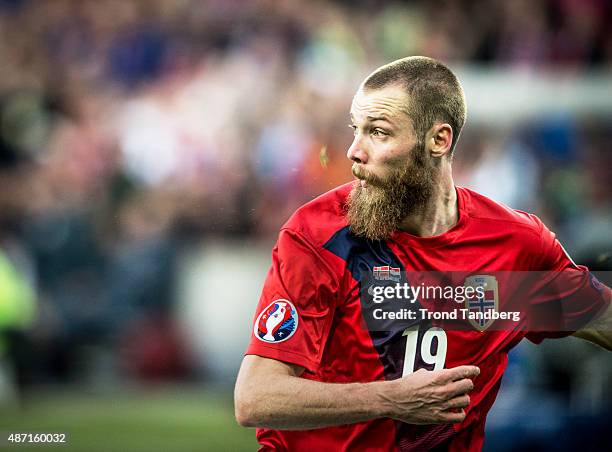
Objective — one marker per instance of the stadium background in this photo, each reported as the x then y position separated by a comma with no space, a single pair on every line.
150,150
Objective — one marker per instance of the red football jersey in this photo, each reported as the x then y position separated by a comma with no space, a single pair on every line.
310,313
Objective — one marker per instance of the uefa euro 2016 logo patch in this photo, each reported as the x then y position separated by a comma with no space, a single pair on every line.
277,322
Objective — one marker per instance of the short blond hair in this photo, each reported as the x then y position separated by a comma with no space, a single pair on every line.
435,93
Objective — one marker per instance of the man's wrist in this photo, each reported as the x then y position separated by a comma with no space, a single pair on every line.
383,405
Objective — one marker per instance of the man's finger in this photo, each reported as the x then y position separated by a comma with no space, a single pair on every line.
451,417
458,402
461,372
459,388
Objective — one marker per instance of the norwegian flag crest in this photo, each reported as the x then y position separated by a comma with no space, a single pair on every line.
386,273
486,300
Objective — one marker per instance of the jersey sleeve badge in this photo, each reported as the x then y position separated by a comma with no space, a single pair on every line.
277,322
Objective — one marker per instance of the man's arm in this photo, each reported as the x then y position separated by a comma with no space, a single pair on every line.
271,394
599,331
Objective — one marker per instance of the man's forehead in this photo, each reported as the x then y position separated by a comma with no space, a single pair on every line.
390,101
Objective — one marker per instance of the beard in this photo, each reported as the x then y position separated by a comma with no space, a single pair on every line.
377,210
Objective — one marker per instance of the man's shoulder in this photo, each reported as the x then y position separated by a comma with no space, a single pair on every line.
319,219
484,209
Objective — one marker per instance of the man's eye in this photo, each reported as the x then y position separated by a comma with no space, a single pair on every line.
354,127
378,132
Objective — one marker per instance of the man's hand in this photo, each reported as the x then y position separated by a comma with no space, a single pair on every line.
426,397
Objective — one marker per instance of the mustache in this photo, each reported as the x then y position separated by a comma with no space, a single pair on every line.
363,174
358,171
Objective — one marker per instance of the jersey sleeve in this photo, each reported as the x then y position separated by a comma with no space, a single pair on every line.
566,296
296,307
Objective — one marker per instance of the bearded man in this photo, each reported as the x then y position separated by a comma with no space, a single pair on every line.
319,374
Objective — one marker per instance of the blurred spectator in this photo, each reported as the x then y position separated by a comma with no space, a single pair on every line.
17,311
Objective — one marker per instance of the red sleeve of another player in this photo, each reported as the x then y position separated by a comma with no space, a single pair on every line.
296,307
567,296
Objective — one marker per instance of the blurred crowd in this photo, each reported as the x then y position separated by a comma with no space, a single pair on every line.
130,129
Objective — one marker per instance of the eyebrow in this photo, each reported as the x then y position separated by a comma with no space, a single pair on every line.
378,118
374,118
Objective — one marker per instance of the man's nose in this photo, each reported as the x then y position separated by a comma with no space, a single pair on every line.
356,152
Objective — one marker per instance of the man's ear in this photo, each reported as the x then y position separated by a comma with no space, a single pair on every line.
440,139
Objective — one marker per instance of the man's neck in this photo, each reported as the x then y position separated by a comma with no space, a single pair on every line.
439,214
